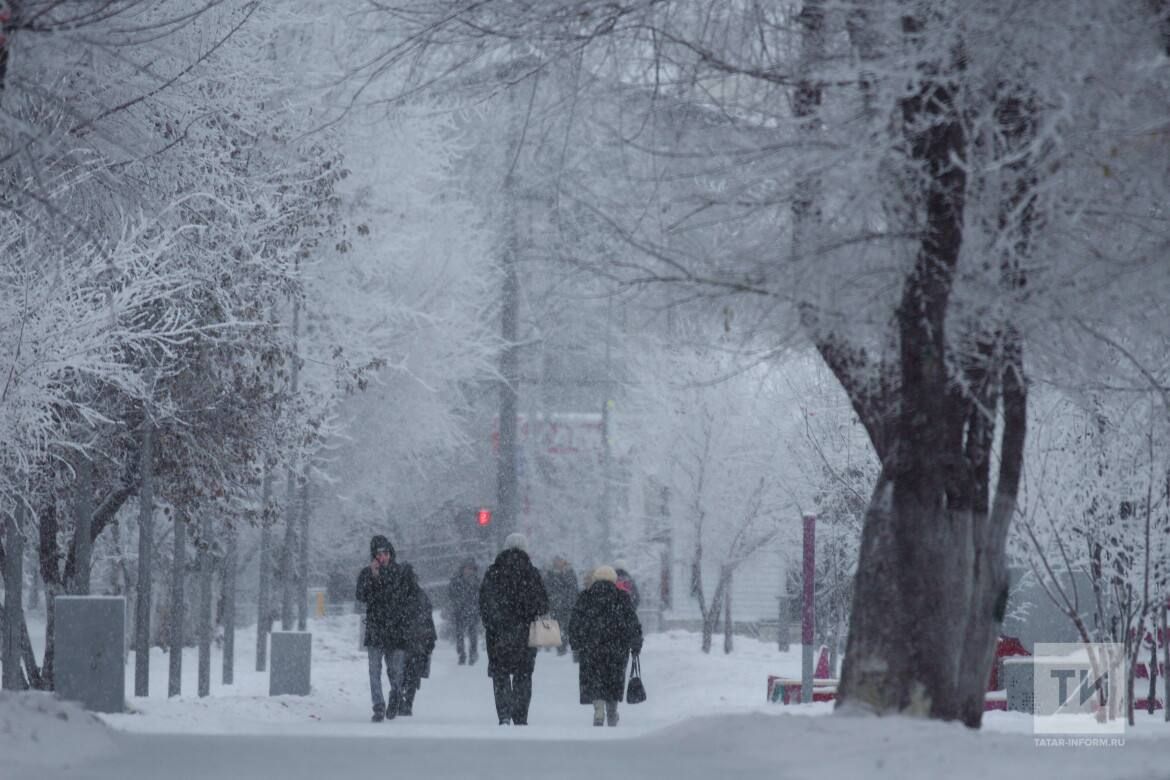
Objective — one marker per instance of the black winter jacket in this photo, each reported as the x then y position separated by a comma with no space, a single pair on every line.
511,597
562,594
604,631
463,596
391,604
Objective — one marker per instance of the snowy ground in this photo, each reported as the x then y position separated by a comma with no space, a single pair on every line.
706,716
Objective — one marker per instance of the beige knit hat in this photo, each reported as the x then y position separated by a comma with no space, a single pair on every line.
604,573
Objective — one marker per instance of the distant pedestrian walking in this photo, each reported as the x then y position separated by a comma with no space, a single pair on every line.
511,597
463,601
561,583
604,631
625,582
420,643
390,600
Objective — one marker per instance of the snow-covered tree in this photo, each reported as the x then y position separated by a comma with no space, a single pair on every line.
919,191
716,436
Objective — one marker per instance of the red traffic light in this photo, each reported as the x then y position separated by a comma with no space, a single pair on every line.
483,517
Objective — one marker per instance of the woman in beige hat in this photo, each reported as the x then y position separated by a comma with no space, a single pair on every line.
603,632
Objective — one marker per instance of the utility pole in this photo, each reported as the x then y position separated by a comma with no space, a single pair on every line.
303,554
288,578
605,515
807,607
507,483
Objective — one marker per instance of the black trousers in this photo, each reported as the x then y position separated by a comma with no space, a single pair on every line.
513,694
469,627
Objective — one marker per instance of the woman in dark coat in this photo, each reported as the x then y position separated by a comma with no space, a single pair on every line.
420,643
604,631
511,597
561,583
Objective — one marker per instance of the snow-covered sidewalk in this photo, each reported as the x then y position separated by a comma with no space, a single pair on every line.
706,716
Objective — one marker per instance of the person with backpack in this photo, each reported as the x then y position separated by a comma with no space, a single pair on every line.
511,597
420,643
604,632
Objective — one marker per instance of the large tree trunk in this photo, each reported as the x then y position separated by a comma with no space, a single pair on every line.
931,587
914,583
990,579
55,578
12,559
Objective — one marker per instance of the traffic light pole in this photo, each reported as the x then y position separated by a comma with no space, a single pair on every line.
807,609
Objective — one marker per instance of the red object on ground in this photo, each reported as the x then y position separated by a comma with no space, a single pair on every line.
822,669
1005,647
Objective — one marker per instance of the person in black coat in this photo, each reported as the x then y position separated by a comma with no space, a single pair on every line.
604,631
390,606
561,583
420,643
463,598
510,598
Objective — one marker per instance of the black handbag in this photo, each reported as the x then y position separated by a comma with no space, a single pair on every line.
635,691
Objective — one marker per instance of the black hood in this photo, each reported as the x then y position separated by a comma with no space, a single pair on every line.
513,558
380,542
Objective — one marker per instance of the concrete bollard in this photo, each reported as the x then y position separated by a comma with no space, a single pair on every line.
290,661
89,634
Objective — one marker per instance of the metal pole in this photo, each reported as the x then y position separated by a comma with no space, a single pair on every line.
302,590
807,611
606,406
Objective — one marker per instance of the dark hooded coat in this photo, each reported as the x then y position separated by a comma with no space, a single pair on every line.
463,594
420,633
626,584
562,593
511,597
604,631
390,597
